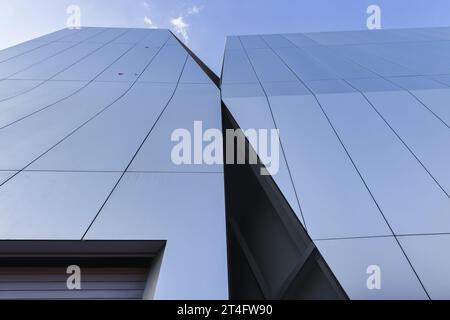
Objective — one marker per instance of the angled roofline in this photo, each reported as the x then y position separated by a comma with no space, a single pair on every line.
214,78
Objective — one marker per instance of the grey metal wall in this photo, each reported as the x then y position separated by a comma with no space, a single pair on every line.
364,126
86,118
270,255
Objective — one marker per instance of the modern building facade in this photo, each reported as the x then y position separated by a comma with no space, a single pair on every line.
87,117
363,119
358,209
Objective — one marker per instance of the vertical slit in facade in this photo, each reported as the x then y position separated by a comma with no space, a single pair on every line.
270,255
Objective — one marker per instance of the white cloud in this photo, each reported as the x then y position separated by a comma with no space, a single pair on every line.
179,24
180,27
193,10
149,22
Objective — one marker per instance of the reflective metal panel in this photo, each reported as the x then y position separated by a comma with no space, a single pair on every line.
428,33
280,89
277,41
339,65
192,73
133,36
19,63
305,66
371,61
334,200
442,78
27,139
167,65
108,35
42,96
59,35
59,62
253,42
5,175
336,38
171,41
373,85
94,63
86,34
423,133
59,205
430,258
12,88
388,167
130,65
20,49
361,264
249,107
437,101
191,102
300,40
238,68
417,83
411,55
187,210
233,43
268,66
157,38
329,86
109,142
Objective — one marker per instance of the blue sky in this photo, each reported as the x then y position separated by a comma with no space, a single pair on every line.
204,24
